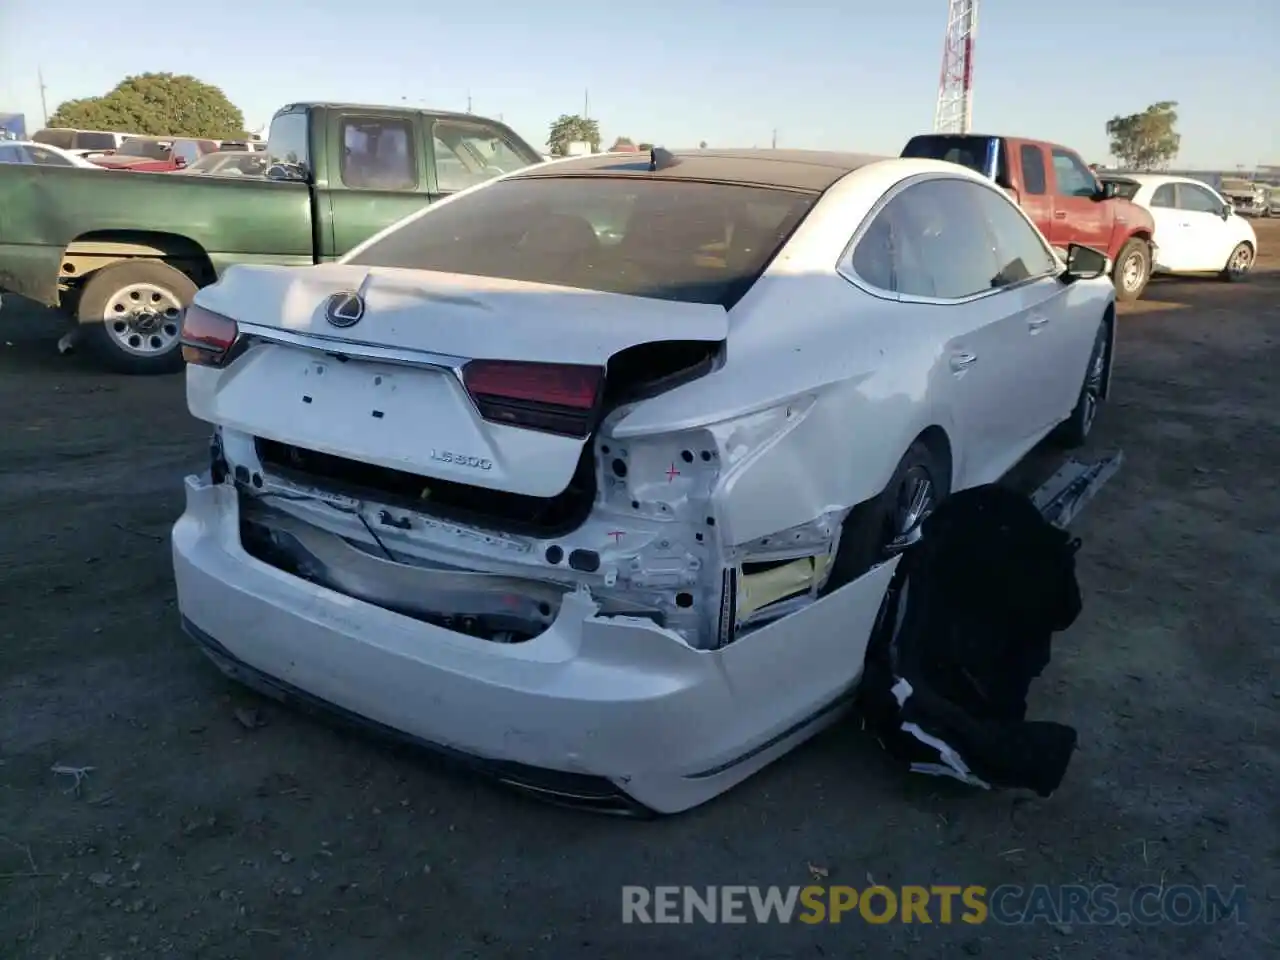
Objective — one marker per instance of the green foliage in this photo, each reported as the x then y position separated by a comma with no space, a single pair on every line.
570,128
622,143
157,104
702,144
1146,140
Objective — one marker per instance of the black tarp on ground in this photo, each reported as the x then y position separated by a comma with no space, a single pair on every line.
966,626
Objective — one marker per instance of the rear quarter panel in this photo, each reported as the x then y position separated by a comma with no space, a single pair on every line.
806,333
44,209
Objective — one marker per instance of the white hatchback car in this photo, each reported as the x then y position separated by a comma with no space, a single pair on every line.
1196,229
595,474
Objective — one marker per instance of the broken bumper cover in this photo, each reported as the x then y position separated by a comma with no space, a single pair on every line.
592,711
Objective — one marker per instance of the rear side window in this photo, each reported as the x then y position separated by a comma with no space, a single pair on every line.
56,138
1163,196
931,240
1033,178
969,152
662,239
92,140
288,146
468,153
378,154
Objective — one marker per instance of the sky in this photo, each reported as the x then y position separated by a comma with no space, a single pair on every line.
843,74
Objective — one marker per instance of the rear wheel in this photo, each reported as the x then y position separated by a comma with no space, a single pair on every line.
1132,269
878,529
131,316
1239,264
1075,430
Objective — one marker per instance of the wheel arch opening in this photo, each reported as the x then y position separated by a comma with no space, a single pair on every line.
92,251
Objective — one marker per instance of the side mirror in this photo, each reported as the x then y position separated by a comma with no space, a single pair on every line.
179,162
1084,263
1107,190
1227,211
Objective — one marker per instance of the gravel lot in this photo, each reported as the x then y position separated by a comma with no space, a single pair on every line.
213,824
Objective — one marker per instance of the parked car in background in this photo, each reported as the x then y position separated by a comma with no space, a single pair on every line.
1248,198
157,154
252,146
126,254
1062,196
20,151
1273,201
1198,229
230,163
83,142
596,474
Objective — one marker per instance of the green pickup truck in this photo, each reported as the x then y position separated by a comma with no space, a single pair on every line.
123,253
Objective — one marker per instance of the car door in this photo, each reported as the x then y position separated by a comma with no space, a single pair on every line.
1171,236
1056,347
1078,215
943,269
1208,235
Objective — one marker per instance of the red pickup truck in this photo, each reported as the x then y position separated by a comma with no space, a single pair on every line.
1060,194
156,154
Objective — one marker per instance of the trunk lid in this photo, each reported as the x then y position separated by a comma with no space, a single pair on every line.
385,390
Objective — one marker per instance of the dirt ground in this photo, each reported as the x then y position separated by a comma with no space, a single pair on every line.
209,823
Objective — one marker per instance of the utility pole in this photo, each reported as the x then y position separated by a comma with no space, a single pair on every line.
468,101
586,104
775,138
44,107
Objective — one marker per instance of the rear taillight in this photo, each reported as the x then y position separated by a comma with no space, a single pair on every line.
207,337
558,398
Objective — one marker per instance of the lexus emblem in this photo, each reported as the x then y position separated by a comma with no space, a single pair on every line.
344,309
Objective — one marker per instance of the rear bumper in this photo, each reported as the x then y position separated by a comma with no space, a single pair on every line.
613,713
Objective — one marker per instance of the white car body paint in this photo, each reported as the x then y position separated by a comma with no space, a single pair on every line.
1191,241
822,388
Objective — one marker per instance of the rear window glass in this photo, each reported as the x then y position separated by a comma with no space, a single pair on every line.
151,149
663,239
95,141
969,152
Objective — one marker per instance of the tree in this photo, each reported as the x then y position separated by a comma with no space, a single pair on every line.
645,147
622,143
572,128
156,104
1146,140
702,144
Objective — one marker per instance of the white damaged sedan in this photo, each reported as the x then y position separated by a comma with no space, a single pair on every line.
593,476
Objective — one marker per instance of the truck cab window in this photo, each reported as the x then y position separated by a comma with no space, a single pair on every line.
471,153
288,146
377,154
1074,178
1032,160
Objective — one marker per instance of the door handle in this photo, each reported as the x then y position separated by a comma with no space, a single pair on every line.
1035,323
1060,215
961,361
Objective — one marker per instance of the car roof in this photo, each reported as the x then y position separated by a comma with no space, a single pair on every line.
810,171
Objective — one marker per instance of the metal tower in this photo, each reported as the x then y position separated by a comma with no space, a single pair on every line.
954,112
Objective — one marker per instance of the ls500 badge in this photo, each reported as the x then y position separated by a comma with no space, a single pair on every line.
475,463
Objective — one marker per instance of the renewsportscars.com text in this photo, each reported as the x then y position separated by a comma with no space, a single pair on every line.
1100,904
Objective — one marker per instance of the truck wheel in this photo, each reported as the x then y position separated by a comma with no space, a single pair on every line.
1132,269
1238,264
131,316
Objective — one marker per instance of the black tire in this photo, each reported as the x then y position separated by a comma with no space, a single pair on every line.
870,528
149,298
1135,253
1075,430
1238,264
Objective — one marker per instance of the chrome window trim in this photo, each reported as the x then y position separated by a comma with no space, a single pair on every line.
844,265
